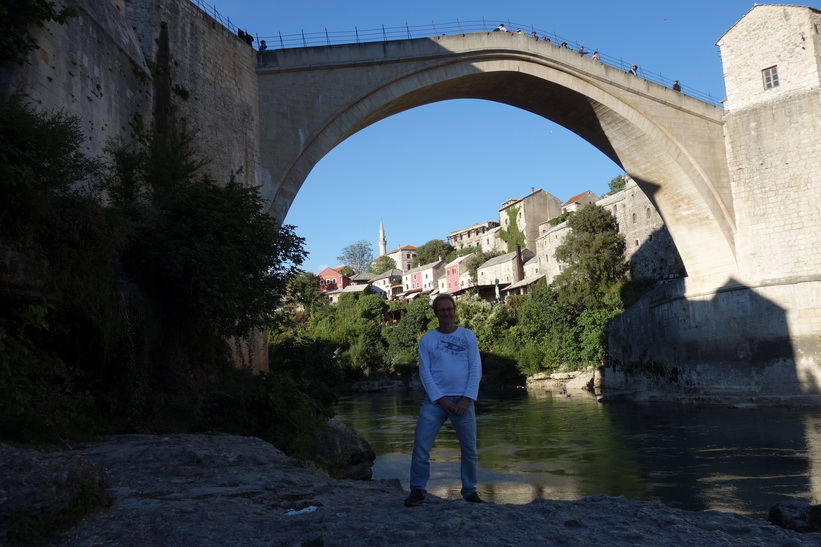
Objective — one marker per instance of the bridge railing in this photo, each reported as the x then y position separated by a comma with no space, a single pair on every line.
407,32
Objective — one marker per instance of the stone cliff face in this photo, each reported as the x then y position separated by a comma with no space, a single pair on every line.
115,64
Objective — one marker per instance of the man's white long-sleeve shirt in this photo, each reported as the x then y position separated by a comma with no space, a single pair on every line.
449,364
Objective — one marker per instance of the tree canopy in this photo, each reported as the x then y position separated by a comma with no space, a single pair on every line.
16,21
433,250
358,256
125,324
382,265
479,258
617,184
593,253
303,290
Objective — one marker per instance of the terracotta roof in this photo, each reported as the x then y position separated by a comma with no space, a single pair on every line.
577,197
403,248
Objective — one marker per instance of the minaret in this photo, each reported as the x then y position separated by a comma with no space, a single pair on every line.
383,243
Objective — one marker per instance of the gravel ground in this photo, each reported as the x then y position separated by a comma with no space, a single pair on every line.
224,490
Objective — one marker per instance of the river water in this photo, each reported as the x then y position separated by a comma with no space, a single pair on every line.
565,447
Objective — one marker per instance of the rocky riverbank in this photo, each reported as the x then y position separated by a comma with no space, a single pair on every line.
227,490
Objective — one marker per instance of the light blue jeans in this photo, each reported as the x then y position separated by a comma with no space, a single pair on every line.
431,418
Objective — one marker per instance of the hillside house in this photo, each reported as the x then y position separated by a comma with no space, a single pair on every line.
649,248
490,241
501,271
403,257
333,296
528,213
363,278
579,200
423,278
457,278
390,282
470,236
331,279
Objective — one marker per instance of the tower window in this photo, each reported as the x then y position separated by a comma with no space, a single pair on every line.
770,76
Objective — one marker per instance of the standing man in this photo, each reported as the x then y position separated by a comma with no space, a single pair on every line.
450,370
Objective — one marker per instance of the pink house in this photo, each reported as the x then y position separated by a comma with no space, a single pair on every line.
423,278
332,280
455,271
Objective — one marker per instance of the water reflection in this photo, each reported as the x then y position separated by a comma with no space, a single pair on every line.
567,447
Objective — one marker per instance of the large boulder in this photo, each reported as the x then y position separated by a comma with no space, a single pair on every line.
343,453
796,515
43,491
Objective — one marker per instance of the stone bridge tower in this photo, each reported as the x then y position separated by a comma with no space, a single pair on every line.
757,335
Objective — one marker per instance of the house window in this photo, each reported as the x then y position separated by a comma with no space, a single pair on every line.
648,212
634,218
770,76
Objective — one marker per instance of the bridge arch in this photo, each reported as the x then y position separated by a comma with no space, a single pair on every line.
672,145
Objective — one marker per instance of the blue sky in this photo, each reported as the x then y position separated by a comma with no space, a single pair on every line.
442,167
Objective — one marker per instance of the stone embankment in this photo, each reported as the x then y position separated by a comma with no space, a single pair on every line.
226,490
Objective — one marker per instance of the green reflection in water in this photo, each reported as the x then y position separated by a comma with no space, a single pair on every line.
560,447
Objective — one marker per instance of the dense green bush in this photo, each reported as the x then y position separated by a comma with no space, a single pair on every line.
122,318
555,327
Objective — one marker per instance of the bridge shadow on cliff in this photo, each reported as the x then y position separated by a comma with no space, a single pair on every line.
733,345
728,350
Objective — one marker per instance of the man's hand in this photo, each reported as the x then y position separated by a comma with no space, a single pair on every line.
448,405
463,405
452,408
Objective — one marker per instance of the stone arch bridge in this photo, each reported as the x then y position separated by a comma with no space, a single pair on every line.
312,99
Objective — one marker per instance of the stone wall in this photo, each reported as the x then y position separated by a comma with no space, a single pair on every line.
740,344
773,141
786,37
756,338
649,248
93,68
208,77
119,61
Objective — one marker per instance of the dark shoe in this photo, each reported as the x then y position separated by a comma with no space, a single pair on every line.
416,498
474,498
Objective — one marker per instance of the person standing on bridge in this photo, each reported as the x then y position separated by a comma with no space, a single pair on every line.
500,28
450,369
677,86
634,70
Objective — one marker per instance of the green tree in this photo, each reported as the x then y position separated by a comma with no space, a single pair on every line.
433,250
477,260
370,306
382,264
17,17
593,253
303,290
404,337
617,184
358,256
206,250
41,160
